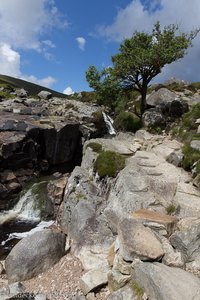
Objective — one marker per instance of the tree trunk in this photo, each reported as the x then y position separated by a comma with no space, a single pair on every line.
143,92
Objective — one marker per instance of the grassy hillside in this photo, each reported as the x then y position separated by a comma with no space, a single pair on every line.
31,88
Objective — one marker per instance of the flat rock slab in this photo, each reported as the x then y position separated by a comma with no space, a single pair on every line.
138,241
161,282
93,279
150,217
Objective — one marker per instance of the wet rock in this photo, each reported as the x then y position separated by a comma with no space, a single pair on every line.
34,254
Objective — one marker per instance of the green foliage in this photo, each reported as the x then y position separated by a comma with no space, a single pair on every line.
127,121
96,147
139,60
171,209
109,164
105,85
190,157
142,57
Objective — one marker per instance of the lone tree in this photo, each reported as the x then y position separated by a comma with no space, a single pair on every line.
143,56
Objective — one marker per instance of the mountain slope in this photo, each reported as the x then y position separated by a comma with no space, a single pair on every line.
32,88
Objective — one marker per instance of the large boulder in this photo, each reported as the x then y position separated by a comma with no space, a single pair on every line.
153,118
34,255
138,241
161,282
163,95
45,95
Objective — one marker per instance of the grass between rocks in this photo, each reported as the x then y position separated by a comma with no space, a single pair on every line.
109,163
186,132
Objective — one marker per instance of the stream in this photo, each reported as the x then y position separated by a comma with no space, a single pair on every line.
27,216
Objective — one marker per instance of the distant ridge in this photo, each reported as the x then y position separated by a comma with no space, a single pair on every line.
32,88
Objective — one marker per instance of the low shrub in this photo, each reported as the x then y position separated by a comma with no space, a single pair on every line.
127,121
109,164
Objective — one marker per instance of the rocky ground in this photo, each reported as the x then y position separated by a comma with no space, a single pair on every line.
132,236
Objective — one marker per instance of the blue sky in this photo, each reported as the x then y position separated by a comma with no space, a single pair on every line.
53,42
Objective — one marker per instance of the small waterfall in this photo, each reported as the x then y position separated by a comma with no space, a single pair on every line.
29,206
19,235
109,124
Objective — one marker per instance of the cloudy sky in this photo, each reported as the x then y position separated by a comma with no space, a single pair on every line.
53,42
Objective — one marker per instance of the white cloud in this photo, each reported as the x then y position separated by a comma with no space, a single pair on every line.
136,16
68,91
47,81
23,22
10,62
81,42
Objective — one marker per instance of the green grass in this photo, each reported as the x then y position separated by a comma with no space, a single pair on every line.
109,163
190,157
96,147
6,95
127,121
170,209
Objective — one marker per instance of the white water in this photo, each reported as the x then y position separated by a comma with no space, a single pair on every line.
26,208
20,235
109,124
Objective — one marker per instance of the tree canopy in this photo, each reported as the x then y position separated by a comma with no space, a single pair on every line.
140,59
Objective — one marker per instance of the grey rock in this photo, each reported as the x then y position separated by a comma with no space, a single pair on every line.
195,144
45,95
21,93
16,288
187,242
163,95
125,293
172,257
93,279
116,280
153,118
40,297
175,158
137,241
34,254
161,282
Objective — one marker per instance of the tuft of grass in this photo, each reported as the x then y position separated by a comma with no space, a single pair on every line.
190,118
109,163
127,121
190,157
96,147
170,209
